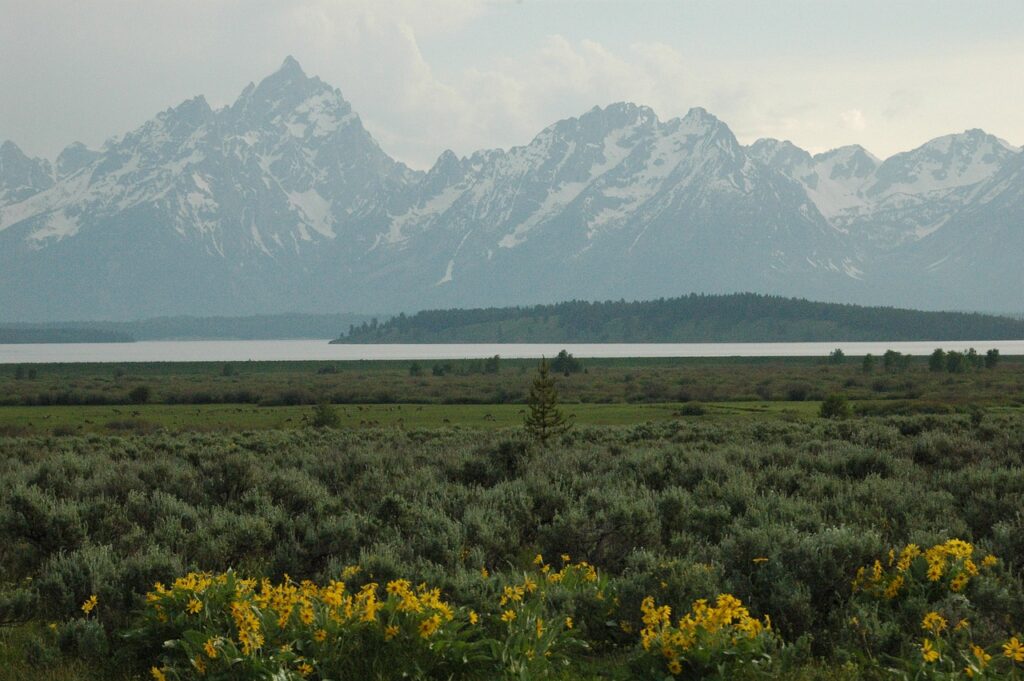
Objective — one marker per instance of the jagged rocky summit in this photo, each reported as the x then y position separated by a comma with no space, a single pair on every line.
284,201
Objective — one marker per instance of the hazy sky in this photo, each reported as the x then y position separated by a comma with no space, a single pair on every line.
430,74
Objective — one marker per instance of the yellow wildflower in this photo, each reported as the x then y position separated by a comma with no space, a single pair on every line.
90,604
538,559
390,632
199,665
565,558
907,555
568,623
928,652
1014,650
958,583
305,669
989,561
675,666
980,655
320,635
933,622
540,627
473,617
194,606
306,614
508,615
429,626
511,593
158,675
211,648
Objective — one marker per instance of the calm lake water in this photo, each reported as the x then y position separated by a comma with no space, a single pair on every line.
263,350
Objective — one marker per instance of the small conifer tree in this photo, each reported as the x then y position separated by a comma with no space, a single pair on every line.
544,420
325,416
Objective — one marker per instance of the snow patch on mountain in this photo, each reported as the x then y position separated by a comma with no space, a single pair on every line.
314,209
57,226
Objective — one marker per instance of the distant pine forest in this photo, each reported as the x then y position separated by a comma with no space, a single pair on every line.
742,317
44,334
255,327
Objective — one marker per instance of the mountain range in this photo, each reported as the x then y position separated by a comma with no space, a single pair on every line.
283,201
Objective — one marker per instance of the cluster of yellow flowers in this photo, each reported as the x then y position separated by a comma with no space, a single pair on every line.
582,570
337,629
536,632
940,643
292,614
90,604
935,574
953,564
722,627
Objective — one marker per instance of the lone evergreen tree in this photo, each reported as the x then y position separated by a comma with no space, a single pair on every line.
545,420
868,364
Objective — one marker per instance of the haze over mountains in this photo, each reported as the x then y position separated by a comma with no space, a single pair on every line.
283,201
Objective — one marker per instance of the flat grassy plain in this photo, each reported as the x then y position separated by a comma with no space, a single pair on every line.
747,494
237,417
602,381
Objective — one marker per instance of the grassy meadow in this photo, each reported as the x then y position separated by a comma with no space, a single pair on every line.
700,520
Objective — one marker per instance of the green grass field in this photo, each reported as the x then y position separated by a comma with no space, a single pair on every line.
239,417
684,479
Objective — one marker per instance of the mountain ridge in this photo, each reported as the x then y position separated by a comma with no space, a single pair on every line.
282,200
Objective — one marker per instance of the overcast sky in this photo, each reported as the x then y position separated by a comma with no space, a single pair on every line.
426,75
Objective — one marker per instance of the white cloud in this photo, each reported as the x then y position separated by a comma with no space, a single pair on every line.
853,119
90,70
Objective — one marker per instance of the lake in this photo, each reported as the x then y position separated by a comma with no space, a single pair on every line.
287,350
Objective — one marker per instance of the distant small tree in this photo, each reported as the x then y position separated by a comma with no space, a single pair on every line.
867,365
415,369
139,394
991,358
956,362
937,360
325,416
565,363
895,362
835,406
492,365
973,359
891,361
837,356
544,420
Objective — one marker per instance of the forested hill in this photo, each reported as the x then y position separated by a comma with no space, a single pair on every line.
60,334
255,327
695,318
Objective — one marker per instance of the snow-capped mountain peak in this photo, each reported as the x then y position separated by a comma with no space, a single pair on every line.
283,200
942,164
